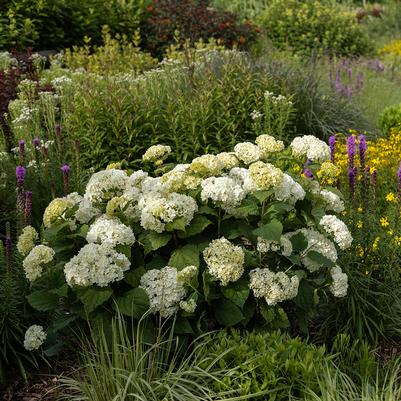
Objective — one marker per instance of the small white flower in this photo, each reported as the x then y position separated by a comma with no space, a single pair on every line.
339,286
310,147
36,260
247,152
336,227
34,337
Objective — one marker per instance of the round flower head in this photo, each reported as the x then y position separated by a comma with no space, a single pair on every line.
188,306
36,260
34,337
242,176
332,201
339,286
310,147
289,190
26,240
164,289
268,144
228,160
247,152
265,175
225,261
273,287
284,246
110,232
105,185
207,165
328,173
187,274
334,226
157,153
178,180
86,211
96,264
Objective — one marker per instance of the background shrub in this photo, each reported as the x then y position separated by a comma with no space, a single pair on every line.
309,25
390,118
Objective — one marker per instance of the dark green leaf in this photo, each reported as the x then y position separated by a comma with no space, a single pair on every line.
261,196
178,224
182,326
271,231
320,259
92,297
152,240
227,313
186,256
299,242
198,224
237,292
43,300
133,303
133,277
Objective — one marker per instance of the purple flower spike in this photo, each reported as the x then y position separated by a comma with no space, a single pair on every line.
362,150
352,174
20,173
332,144
36,142
28,207
66,172
308,173
21,147
351,148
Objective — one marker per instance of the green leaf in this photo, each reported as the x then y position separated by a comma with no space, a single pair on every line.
279,209
198,224
204,209
318,212
227,313
152,240
124,249
177,224
92,297
61,291
133,303
271,231
185,256
43,300
133,277
299,242
248,208
261,196
320,259
182,326
237,292
232,229
304,299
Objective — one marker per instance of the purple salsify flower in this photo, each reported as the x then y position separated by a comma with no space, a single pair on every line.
362,150
66,172
28,207
36,142
308,173
351,148
332,144
352,174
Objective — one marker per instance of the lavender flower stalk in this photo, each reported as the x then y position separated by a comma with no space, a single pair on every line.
362,150
20,173
28,208
352,174
21,149
351,151
308,173
66,172
332,144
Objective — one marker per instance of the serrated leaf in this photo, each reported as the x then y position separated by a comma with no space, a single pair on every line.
299,242
204,209
178,224
186,256
92,297
271,231
197,225
152,240
261,196
237,292
61,291
133,303
133,277
248,208
227,313
43,300
320,259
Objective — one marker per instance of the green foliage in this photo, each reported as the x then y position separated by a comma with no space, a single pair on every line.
308,26
390,118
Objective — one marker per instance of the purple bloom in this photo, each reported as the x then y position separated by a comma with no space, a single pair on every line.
20,173
66,172
28,207
36,142
352,174
362,150
332,144
308,173
351,151
338,84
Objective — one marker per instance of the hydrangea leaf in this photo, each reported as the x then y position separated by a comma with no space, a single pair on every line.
237,292
133,303
133,277
271,231
186,256
178,224
152,240
43,300
320,259
198,224
299,242
261,196
92,297
227,313
182,326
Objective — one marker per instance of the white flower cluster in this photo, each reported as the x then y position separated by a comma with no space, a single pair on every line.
242,176
265,175
224,260
164,289
332,201
228,160
310,147
247,152
316,242
339,287
96,264
157,153
273,287
34,337
207,165
224,191
187,274
284,246
104,185
36,260
26,240
188,306
256,115
276,98
110,232
288,190
338,229
268,144
157,211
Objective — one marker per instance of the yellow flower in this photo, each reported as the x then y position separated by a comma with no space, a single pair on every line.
390,232
397,240
360,210
376,243
384,222
390,197
360,251
359,224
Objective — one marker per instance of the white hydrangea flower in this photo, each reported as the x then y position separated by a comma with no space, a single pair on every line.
310,147
187,273
36,260
241,175
338,229
188,306
225,261
316,242
34,337
153,187
273,287
207,165
289,190
164,289
228,160
136,179
104,185
224,190
96,264
56,211
247,152
180,179
265,175
284,246
332,200
157,153
268,144
110,231
339,287
86,211
157,211
26,240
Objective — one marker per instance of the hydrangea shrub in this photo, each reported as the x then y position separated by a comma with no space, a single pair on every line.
239,238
